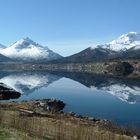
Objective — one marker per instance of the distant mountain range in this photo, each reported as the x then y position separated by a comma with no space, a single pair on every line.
28,51
126,46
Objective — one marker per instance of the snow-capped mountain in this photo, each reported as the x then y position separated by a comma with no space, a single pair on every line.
26,83
127,46
28,50
125,42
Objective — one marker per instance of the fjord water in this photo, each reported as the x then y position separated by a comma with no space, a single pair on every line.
101,96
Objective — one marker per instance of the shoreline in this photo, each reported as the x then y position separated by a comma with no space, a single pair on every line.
126,68
37,111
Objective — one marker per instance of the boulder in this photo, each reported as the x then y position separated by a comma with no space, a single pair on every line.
7,93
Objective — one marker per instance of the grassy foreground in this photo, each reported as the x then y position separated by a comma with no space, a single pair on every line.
13,134
24,124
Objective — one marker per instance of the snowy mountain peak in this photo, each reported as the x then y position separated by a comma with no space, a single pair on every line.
27,39
27,50
127,38
26,43
124,42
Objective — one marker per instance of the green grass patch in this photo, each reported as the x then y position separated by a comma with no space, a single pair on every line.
4,134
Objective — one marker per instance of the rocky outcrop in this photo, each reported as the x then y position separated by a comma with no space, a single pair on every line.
7,93
45,105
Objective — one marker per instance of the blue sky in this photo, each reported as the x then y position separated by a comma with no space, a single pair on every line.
67,26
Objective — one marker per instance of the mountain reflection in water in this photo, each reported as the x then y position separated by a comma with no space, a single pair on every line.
27,82
125,89
113,98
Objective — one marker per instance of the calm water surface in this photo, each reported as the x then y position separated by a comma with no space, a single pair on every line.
116,99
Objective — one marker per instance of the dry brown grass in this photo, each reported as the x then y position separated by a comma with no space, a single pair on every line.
56,129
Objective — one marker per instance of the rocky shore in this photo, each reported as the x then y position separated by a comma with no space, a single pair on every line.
46,119
7,93
129,68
